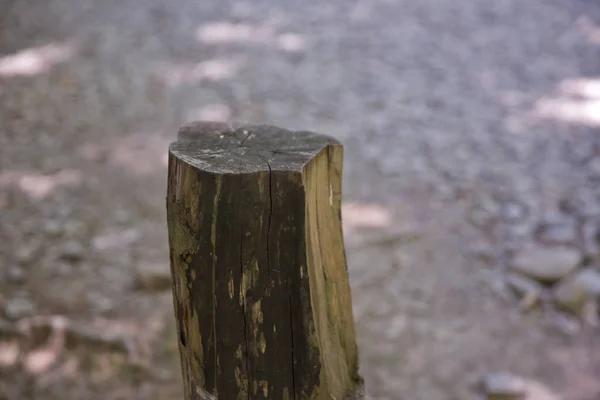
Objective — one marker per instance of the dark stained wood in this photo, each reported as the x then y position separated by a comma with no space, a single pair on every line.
260,282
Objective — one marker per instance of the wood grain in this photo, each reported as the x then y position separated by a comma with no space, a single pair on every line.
260,281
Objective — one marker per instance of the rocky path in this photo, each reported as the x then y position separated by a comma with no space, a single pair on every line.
472,182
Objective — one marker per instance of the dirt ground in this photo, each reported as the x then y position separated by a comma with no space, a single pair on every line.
464,124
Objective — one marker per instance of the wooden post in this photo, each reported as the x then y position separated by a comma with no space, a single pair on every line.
260,282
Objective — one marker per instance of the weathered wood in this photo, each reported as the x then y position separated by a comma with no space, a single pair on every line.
260,281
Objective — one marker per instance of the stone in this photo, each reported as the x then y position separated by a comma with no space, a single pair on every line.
529,290
594,166
64,268
565,324
546,264
523,285
153,277
556,232
590,313
123,216
52,227
99,302
504,386
15,274
591,239
27,254
537,390
576,291
481,217
513,211
581,204
19,307
72,251
73,228
115,240
483,252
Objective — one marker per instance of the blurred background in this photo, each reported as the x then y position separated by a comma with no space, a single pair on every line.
471,183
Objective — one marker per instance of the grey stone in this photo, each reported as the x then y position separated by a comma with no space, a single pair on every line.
523,285
27,254
19,307
546,264
115,240
123,216
513,211
73,228
52,227
15,274
484,252
590,314
574,292
72,251
591,238
483,217
503,385
556,232
582,204
529,291
99,302
565,324
154,277
594,166
64,268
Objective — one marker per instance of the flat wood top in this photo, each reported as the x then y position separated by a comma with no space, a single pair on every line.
238,148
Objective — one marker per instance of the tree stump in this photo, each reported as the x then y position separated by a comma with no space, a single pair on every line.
260,281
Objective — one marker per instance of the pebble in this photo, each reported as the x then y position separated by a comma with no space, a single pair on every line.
99,302
73,228
52,227
115,240
481,217
581,205
483,251
513,211
529,290
574,292
123,216
15,274
590,314
546,264
591,238
565,324
154,277
556,233
504,386
594,166
72,251
27,254
19,307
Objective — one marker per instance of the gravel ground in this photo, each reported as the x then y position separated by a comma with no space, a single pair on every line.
465,123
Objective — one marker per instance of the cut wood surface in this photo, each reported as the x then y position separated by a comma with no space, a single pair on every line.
260,282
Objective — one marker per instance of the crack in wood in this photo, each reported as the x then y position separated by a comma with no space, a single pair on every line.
242,288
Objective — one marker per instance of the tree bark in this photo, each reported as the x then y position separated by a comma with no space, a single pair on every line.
260,282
